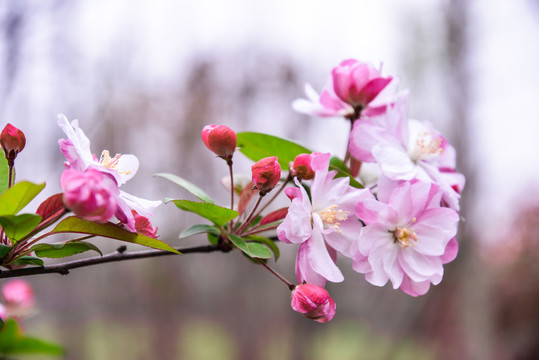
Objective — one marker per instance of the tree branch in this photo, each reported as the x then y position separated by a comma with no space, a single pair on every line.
119,255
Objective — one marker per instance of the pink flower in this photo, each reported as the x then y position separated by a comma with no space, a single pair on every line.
301,168
143,225
354,87
323,227
407,238
313,302
91,195
18,299
76,149
12,141
220,139
266,174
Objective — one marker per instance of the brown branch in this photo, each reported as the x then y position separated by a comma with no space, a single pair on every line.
119,255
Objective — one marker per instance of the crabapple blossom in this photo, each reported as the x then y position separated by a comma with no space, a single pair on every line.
313,302
266,174
18,299
12,141
324,226
76,149
220,139
407,238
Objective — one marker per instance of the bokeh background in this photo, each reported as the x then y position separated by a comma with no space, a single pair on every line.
145,77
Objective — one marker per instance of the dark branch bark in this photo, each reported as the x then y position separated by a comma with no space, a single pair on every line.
119,255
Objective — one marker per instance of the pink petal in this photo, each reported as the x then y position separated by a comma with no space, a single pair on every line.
451,251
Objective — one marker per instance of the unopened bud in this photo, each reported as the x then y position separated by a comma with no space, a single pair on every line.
301,168
266,173
313,302
220,139
12,141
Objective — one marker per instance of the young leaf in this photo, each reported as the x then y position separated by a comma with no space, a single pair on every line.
342,171
4,250
239,242
257,146
52,205
73,224
246,195
61,250
27,260
192,188
13,341
274,216
4,173
199,229
268,242
17,227
257,250
18,196
216,214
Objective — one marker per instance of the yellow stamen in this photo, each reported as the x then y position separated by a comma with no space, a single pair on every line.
405,237
333,216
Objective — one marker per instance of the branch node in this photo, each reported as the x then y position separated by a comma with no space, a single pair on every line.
64,272
121,249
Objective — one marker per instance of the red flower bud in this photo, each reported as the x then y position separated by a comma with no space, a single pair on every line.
313,302
301,168
12,141
220,139
266,174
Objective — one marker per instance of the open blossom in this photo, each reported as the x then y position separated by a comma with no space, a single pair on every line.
76,149
313,302
323,227
407,238
354,86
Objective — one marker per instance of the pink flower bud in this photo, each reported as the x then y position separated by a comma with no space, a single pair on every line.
18,293
302,168
12,141
266,174
357,83
92,195
313,302
144,226
220,139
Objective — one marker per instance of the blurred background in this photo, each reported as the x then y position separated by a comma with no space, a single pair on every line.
145,77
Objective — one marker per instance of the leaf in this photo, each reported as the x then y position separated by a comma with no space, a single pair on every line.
239,242
192,188
17,227
4,250
216,214
246,195
61,250
13,341
257,146
213,239
257,250
27,260
342,171
274,216
4,172
268,242
199,229
18,196
51,206
73,224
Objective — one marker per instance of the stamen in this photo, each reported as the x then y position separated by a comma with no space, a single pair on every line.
405,237
333,216
426,146
112,162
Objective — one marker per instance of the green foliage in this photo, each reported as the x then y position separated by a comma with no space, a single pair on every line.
216,214
18,196
257,146
27,260
192,188
4,250
73,224
199,229
342,171
61,250
267,242
253,249
17,227
4,172
14,342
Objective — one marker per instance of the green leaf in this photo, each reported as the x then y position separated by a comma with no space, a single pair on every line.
73,224
27,260
342,171
18,196
257,146
199,229
239,242
4,250
268,242
4,172
13,341
216,214
61,250
17,227
213,239
192,188
257,250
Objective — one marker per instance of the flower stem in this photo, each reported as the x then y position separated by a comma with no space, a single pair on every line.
279,276
229,163
276,194
250,217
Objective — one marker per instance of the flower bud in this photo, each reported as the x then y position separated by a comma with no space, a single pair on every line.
266,173
220,139
18,293
301,168
12,141
92,195
144,226
313,302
